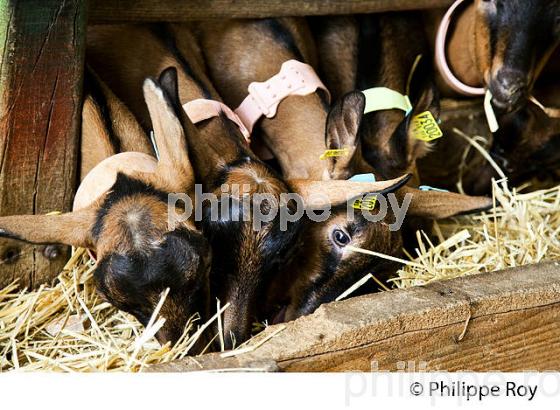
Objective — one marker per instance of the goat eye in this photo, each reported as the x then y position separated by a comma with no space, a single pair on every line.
340,237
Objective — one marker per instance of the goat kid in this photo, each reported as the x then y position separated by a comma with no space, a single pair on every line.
386,57
509,44
127,224
243,52
497,45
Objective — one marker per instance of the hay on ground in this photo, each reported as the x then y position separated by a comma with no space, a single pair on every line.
67,327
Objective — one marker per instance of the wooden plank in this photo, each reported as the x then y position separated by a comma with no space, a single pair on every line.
42,51
103,11
503,321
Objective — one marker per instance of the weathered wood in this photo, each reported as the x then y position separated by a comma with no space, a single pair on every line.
103,11
512,322
41,49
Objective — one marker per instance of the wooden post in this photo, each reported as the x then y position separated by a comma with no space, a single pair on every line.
42,44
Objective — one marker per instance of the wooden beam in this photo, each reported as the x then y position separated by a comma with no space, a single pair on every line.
104,11
503,321
41,66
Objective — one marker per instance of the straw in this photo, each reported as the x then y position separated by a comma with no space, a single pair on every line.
354,287
522,228
67,327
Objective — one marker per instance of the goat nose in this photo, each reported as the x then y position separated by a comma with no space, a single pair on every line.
509,89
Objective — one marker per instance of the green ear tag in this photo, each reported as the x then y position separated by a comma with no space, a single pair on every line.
425,127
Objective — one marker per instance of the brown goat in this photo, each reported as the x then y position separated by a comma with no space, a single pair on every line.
366,52
509,43
501,45
127,227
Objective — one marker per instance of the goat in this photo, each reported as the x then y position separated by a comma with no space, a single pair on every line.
499,45
381,51
127,226
506,62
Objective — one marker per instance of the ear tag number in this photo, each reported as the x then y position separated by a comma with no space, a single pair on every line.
425,127
365,204
330,153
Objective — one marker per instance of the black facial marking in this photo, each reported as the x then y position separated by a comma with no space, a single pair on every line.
228,235
526,30
133,281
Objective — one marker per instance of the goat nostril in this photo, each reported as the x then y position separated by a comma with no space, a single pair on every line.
11,255
511,82
51,252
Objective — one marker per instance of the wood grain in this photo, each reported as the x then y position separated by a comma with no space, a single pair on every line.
103,11
512,321
42,51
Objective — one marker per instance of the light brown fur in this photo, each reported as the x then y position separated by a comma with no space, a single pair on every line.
241,52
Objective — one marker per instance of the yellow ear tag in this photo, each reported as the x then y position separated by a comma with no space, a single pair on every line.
425,127
365,204
330,153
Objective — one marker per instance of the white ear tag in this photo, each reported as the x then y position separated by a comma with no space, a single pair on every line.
490,114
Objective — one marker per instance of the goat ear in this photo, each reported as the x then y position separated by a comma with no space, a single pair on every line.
170,123
169,83
73,228
336,193
440,205
405,148
103,176
343,124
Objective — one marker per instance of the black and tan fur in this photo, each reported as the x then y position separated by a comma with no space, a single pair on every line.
127,227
